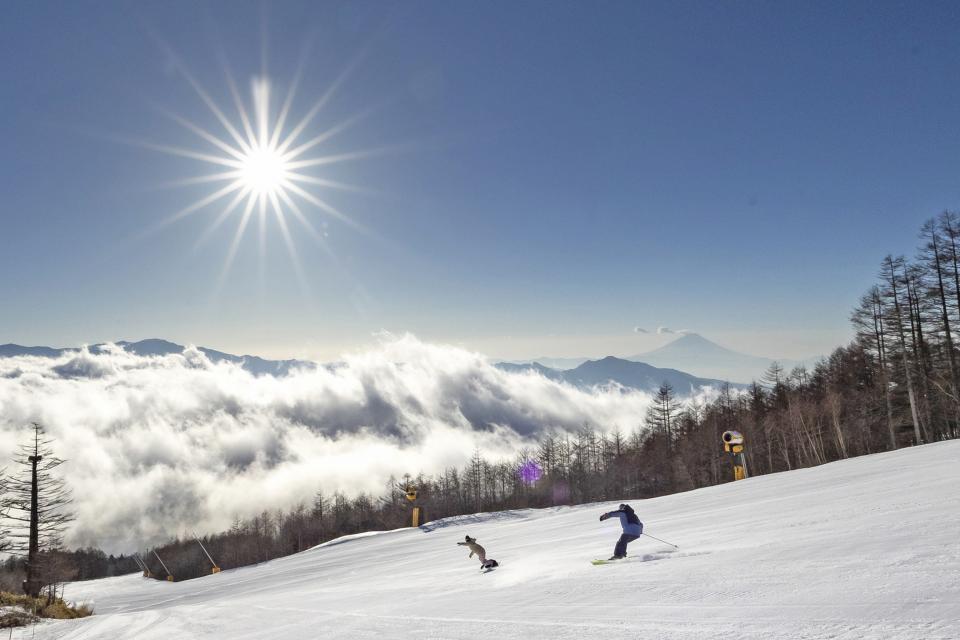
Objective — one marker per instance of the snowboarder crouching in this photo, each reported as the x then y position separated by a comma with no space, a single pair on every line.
632,529
471,543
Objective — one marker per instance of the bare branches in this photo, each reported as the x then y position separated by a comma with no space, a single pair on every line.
4,530
35,508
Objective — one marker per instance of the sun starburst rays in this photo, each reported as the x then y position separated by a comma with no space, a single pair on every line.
260,162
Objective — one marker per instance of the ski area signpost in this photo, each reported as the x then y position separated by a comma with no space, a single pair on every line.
733,444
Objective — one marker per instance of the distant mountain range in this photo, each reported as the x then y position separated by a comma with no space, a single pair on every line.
154,347
632,375
693,353
709,364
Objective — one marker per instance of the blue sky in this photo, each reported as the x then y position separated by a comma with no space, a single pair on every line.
557,173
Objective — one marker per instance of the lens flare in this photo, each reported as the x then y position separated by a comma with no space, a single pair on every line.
530,472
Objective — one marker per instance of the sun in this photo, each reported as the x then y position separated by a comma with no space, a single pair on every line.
264,171
265,167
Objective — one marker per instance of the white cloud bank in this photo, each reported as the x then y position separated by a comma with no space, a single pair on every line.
158,446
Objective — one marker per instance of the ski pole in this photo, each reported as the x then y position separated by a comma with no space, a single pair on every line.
663,541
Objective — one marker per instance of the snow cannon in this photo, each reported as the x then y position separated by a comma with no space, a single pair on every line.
416,518
732,438
215,569
733,444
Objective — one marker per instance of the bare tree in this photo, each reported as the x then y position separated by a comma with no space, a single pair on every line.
868,322
4,532
35,507
933,254
895,282
663,413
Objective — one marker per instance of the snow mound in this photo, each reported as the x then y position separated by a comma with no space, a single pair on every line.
865,548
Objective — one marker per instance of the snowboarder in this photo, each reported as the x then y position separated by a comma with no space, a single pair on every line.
471,543
632,529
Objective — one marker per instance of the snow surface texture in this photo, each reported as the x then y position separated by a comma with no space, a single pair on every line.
865,548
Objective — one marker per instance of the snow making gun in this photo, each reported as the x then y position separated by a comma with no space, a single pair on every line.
733,444
216,569
416,518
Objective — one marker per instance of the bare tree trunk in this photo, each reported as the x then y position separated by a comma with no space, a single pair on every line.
935,247
878,314
942,299
919,352
833,399
892,280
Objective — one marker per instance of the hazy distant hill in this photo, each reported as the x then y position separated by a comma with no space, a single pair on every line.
557,363
545,371
634,375
692,352
156,347
11,350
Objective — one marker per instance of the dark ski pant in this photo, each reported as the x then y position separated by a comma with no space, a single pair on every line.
620,551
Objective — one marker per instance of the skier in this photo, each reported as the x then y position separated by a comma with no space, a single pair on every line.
632,529
471,543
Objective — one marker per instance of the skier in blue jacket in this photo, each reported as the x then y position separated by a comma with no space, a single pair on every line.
632,529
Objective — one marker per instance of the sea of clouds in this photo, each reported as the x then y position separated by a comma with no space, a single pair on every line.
162,445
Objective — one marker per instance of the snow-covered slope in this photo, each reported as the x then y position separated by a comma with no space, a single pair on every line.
866,548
